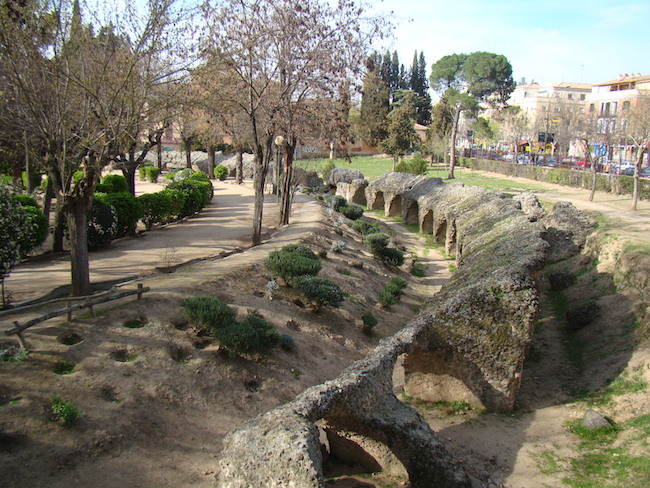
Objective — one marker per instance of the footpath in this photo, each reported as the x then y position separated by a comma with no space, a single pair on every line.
223,227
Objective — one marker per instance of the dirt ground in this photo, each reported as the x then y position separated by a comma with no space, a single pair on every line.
156,401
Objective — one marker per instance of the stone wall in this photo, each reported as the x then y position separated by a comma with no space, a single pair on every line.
469,345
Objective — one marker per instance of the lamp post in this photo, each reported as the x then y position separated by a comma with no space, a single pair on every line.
279,142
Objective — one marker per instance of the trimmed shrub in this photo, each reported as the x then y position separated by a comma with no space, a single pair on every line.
208,312
177,202
221,172
156,208
117,183
252,334
102,223
377,240
319,291
129,211
12,222
24,200
286,263
365,228
102,188
352,211
416,165
183,174
300,249
389,256
34,232
203,182
195,196
170,176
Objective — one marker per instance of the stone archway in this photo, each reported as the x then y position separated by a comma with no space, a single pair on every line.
426,226
378,203
395,207
412,213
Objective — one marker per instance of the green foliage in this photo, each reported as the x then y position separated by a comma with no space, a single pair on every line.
399,283
390,256
63,367
365,228
369,322
377,240
208,312
12,222
401,135
34,232
102,223
351,211
335,202
156,208
116,183
24,200
327,169
221,172
253,334
135,323
287,343
319,291
14,354
36,179
292,260
129,211
152,174
64,411
196,194
416,165
176,202
386,298
392,292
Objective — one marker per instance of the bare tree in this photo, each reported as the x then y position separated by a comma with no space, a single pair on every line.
635,123
82,88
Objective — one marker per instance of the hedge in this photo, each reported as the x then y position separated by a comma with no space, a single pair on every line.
617,184
129,211
116,183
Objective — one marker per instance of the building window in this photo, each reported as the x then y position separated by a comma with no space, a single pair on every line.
570,96
583,96
626,105
592,107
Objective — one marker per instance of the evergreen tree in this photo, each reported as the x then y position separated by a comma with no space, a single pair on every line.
375,102
401,133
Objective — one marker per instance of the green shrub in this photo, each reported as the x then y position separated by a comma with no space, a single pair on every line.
365,228
369,322
399,282
252,334
129,211
221,172
102,223
351,211
195,193
152,174
208,312
377,240
319,291
102,188
36,179
335,202
34,232
389,256
77,175
170,176
183,174
386,298
142,173
393,289
201,181
287,343
416,165
300,249
117,183
64,411
24,200
156,208
176,202
286,263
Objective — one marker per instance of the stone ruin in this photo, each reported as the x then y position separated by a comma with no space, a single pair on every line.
469,345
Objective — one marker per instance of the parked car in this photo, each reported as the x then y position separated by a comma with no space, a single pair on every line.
523,159
551,162
645,172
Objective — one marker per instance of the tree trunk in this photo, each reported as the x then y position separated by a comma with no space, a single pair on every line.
239,166
211,155
287,190
58,227
159,151
47,198
259,182
452,144
80,270
637,172
128,170
594,167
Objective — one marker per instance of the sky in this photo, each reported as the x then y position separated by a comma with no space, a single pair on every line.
549,42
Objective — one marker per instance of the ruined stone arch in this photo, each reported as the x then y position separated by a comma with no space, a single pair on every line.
426,225
412,212
395,207
378,203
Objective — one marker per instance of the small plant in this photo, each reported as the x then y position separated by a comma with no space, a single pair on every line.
335,202
117,183
389,256
392,292
152,173
252,334
369,322
63,367
272,286
351,211
287,343
417,268
365,228
399,282
14,354
64,411
292,260
135,323
376,241
319,291
208,312
221,172
339,246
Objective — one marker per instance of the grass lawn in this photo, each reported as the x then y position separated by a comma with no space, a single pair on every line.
373,167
